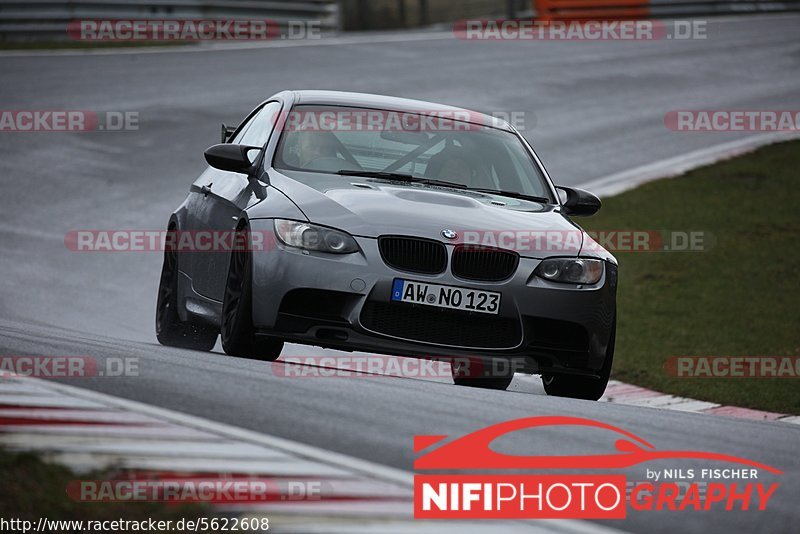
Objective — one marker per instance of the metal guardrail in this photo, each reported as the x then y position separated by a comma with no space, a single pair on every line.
47,20
39,20
392,14
638,9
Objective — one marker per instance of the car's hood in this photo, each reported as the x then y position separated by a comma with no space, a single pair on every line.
374,207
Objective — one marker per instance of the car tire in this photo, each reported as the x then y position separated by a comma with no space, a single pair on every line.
583,387
170,330
483,382
236,326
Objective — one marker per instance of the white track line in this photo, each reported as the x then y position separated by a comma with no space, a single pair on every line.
245,443
620,182
231,432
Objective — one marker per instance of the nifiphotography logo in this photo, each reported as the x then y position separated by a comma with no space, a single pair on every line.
591,496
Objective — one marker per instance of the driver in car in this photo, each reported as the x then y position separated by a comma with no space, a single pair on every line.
307,147
454,164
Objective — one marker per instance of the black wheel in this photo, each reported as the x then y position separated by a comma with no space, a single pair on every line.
238,335
462,376
170,331
583,387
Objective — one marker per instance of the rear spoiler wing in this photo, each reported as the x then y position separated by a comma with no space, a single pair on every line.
227,132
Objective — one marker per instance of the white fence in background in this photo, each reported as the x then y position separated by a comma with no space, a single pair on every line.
46,20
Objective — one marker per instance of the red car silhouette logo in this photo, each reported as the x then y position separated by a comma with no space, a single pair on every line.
474,451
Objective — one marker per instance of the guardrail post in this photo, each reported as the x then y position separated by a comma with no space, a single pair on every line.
511,9
542,9
401,13
364,18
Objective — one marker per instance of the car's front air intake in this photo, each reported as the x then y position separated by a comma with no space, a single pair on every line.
473,262
412,254
427,324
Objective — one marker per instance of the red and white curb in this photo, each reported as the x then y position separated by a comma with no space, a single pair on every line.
86,430
628,394
622,393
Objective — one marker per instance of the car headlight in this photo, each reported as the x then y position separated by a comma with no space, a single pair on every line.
571,270
312,237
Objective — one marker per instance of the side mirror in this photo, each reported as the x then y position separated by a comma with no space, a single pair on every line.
233,158
579,202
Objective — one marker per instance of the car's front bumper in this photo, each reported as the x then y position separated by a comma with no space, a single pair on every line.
344,302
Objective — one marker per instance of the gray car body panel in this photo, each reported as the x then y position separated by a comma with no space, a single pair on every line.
373,207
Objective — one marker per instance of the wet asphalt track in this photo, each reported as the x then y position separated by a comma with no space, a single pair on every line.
591,109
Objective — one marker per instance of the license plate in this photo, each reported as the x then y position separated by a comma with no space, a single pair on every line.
451,297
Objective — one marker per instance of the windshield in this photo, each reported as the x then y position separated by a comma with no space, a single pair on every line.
330,139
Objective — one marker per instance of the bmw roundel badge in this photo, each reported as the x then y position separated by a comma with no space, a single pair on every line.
449,234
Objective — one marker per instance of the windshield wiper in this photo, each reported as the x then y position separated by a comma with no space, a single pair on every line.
429,181
377,174
443,183
401,177
512,194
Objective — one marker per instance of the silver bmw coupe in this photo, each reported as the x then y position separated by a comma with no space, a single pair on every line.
369,223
